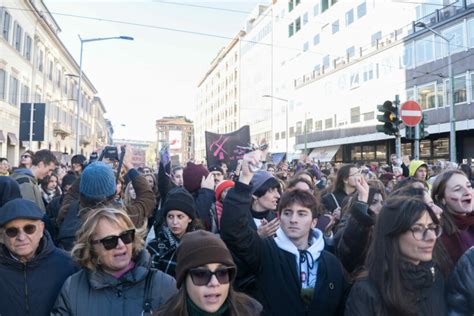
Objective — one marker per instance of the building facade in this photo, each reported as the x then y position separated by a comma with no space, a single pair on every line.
178,132
217,107
35,66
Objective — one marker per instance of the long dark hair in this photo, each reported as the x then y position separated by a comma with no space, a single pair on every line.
239,305
437,194
384,257
342,174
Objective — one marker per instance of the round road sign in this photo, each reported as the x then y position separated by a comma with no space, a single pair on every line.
411,113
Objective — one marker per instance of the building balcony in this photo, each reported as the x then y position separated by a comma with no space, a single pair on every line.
61,129
84,140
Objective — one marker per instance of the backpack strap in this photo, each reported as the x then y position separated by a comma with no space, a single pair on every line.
335,200
147,298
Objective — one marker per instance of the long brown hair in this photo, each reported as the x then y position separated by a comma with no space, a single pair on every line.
239,305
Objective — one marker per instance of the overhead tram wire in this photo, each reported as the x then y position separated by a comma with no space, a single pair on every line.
226,37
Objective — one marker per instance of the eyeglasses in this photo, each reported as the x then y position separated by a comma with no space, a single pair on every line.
25,156
28,229
111,242
201,277
420,232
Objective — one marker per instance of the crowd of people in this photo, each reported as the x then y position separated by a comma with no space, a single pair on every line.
286,238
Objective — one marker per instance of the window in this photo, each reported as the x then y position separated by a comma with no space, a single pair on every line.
318,125
305,46
427,96
277,136
406,61
291,30
27,47
361,10
58,78
316,39
40,60
292,131
349,17
424,50
3,83
328,123
350,51
13,92
326,62
66,85
355,115
297,24
369,116
368,72
50,70
6,25
283,135
309,125
376,37
299,128
290,6
316,10
470,32
354,79
460,90
25,93
305,18
17,36
335,27
324,5
440,94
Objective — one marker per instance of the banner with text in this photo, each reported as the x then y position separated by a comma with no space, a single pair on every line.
223,147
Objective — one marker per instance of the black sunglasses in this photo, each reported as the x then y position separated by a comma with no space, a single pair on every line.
111,242
12,232
201,277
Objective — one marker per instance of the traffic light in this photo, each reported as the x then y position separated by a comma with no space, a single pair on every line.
423,127
388,117
410,132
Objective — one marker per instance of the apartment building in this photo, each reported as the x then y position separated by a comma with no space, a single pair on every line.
35,66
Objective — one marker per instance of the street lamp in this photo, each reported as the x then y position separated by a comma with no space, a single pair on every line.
79,94
286,128
452,118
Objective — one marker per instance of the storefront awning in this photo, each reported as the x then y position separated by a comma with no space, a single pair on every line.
277,157
2,137
13,140
323,154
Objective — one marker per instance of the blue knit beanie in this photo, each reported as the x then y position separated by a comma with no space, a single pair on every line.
97,181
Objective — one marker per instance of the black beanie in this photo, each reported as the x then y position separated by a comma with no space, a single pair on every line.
178,199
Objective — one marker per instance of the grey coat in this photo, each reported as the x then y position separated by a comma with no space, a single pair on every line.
98,293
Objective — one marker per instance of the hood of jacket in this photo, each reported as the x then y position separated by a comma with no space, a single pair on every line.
414,165
45,248
306,260
99,279
9,190
22,171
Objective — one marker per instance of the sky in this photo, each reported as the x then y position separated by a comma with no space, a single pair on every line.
157,73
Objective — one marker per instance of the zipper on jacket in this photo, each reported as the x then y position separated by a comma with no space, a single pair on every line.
27,306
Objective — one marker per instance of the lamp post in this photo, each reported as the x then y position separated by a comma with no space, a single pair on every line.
79,95
452,117
286,114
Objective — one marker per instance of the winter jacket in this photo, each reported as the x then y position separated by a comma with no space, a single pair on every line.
96,293
328,200
289,281
29,187
426,285
458,243
31,288
460,289
140,209
163,251
352,240
9,190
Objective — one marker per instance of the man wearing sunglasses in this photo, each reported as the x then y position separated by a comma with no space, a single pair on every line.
32,269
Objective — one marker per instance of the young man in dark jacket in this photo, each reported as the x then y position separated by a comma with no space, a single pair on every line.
32,269
294,274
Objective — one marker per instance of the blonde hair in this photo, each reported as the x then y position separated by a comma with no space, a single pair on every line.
83,252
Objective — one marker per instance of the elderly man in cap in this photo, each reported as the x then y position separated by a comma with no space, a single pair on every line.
32,269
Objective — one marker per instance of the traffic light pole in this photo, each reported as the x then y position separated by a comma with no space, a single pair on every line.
417,142
398,137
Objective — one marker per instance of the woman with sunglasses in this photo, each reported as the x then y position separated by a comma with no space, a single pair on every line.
205,272
26,160
115,278
403,274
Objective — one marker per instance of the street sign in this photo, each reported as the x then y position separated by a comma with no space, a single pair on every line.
411,113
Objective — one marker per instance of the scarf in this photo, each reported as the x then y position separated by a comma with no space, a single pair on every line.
259,215
464,222
194,310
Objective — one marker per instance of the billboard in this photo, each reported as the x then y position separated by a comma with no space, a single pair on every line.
174,139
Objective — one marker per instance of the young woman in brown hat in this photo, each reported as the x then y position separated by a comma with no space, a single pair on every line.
205,272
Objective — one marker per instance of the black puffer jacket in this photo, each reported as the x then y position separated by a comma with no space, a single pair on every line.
461,286
423,283
31,288
96,293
